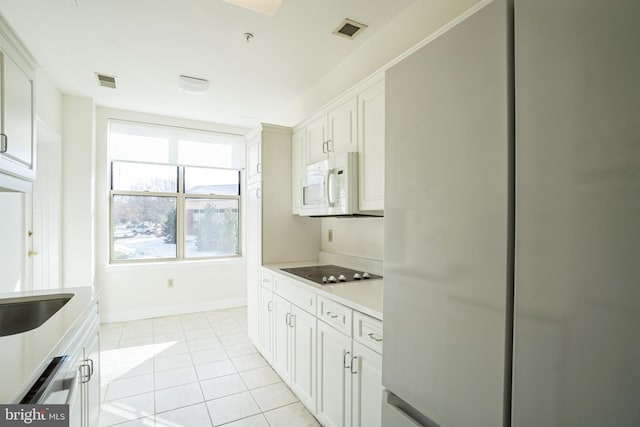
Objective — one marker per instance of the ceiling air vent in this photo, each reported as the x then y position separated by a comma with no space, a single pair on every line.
349,29
106,81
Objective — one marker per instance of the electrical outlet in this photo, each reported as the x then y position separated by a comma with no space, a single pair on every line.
170,283
330,236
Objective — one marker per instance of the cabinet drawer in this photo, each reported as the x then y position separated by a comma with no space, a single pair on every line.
267,280
295,294
368,331
335,314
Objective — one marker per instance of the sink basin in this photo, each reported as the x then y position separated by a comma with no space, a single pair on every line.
23,314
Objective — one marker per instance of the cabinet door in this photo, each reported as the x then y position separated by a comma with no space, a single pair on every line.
367,387
17,119
343,129
317,137
303,357
334,377
254,155
371,147
92,393
254,259
266,324
282,313
298,166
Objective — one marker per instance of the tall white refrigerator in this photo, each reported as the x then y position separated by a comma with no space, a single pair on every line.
512,220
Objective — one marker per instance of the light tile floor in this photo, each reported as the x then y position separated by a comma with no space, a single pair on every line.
192,370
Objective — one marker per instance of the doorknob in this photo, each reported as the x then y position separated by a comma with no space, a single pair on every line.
32,253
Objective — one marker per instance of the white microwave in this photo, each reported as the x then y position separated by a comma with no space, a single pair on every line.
330,187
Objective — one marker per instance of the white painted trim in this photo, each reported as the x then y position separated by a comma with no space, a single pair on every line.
12,40
11,183
380,73
148,313
436,34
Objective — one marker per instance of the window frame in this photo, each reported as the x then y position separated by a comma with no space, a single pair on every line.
181,197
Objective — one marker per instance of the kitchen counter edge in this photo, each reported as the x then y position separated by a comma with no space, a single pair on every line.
363,296
26,355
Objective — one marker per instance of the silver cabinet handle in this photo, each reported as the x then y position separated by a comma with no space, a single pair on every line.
4,143
84,375
286,319
325,148
374,337
329,149
333,316
258,193
90,368
258,167
353,365
269,305
292,321
345,353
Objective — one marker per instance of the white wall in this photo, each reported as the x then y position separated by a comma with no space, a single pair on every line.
141,290
78,158
12,249
361,237
48,103
417,22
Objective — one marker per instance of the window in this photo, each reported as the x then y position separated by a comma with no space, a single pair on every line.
175,193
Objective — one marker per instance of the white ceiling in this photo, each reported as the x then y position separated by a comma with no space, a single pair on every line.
147,44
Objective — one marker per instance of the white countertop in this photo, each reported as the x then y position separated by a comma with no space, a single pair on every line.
364,295
23,356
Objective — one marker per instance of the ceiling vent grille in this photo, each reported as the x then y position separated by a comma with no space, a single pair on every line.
106,81
349,29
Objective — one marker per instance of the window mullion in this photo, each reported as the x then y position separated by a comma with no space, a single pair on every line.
180,241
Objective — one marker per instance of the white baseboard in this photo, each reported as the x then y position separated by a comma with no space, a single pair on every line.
150,312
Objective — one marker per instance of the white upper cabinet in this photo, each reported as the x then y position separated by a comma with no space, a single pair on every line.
17,110
354,122
334,132
343,136
371,139
298,156
254,166
317,140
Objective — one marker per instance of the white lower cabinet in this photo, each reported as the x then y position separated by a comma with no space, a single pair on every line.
266,323
294,349
366,399
91,382
332,362
334,377
349,381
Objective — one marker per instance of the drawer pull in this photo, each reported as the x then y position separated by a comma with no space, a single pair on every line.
374,337
353,365
332,315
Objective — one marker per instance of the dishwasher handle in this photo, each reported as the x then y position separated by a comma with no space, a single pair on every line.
65,393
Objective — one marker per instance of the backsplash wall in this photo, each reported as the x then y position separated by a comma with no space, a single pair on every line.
360,236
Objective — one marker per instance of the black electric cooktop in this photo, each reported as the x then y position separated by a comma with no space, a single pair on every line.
328,274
